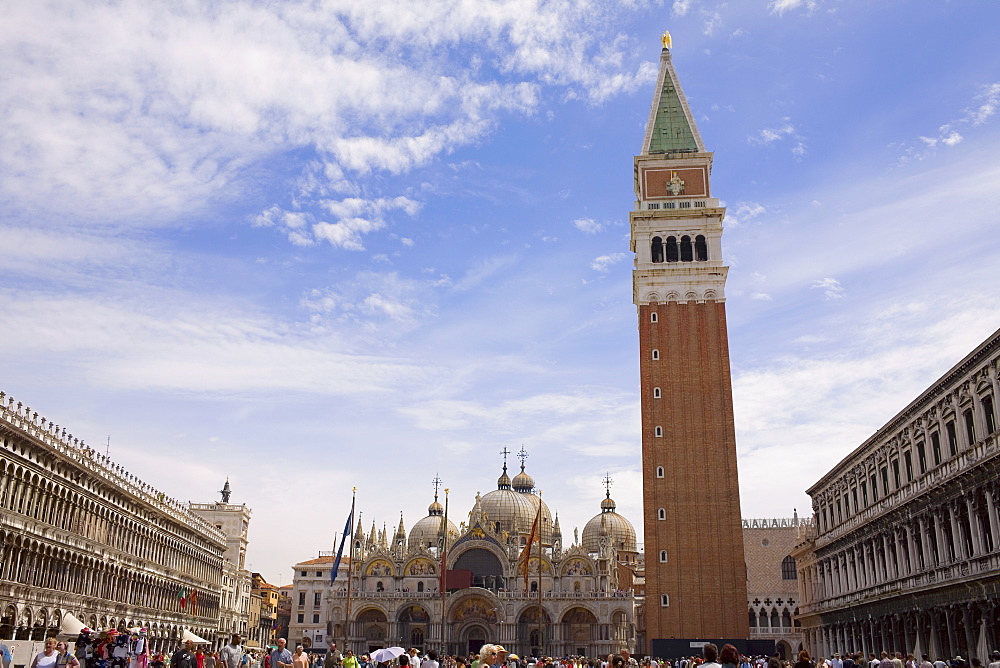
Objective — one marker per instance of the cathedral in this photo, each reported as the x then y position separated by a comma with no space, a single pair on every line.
498,582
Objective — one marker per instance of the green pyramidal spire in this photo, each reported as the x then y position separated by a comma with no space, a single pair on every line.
671,127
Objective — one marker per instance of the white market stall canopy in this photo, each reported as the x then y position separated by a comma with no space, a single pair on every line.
187,635
71,625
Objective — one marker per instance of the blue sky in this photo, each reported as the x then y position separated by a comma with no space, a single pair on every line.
317,245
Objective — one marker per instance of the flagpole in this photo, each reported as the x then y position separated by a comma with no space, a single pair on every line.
350,567
444,573
541,644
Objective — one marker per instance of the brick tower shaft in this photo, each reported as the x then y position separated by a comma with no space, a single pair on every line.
695,568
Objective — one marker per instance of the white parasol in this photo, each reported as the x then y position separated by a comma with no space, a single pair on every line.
387,654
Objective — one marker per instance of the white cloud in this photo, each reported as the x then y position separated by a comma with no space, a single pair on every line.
680,7
588,225
713,21
784,131
354,217
989,102
831,287
781,6
743,213
181,101
603,263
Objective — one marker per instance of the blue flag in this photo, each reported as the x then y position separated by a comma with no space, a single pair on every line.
348,529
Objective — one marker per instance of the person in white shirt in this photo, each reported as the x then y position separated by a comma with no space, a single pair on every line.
836,662
711,654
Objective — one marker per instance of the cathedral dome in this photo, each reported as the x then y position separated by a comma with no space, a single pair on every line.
427,532
523,482
620,531
512,510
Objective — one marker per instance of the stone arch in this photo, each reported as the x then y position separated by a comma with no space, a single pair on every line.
578,626
473,636
486,566
475,605
374,624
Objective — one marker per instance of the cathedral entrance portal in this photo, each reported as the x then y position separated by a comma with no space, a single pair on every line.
475,637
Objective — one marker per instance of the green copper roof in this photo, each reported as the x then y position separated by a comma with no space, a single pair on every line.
673,129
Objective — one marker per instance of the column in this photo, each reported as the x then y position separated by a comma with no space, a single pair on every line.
923,540
991,510
897,550
978,546
956,533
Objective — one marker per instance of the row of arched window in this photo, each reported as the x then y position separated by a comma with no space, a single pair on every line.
64,505
683,251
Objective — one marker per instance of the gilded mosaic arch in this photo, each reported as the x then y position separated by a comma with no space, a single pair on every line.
421,566
380,568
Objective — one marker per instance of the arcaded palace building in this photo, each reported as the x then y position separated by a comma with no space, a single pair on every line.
906,554
691,503
772,581
83,539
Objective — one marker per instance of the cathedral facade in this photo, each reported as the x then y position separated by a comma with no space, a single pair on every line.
488,582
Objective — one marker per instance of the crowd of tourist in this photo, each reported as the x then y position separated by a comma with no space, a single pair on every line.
57,655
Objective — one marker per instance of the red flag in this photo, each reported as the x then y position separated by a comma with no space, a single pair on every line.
526,552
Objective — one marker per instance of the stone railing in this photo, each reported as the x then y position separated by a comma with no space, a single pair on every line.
506,595
933,479
957,571
776,522
21,418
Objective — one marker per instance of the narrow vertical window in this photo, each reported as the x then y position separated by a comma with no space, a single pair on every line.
664,601
661,514
788,571
949,427
652,317
656,250
655,354
658,432
659,471
656,393
922,457
700,249
672,253
970,426
687,253
908,465
989,415
936,448
895,474
663,556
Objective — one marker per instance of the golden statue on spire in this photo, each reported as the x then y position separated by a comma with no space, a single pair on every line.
667,41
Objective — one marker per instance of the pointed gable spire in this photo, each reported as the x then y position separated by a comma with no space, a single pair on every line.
671,127
359,533
400,531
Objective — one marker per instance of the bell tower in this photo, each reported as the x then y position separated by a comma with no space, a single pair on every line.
695,567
